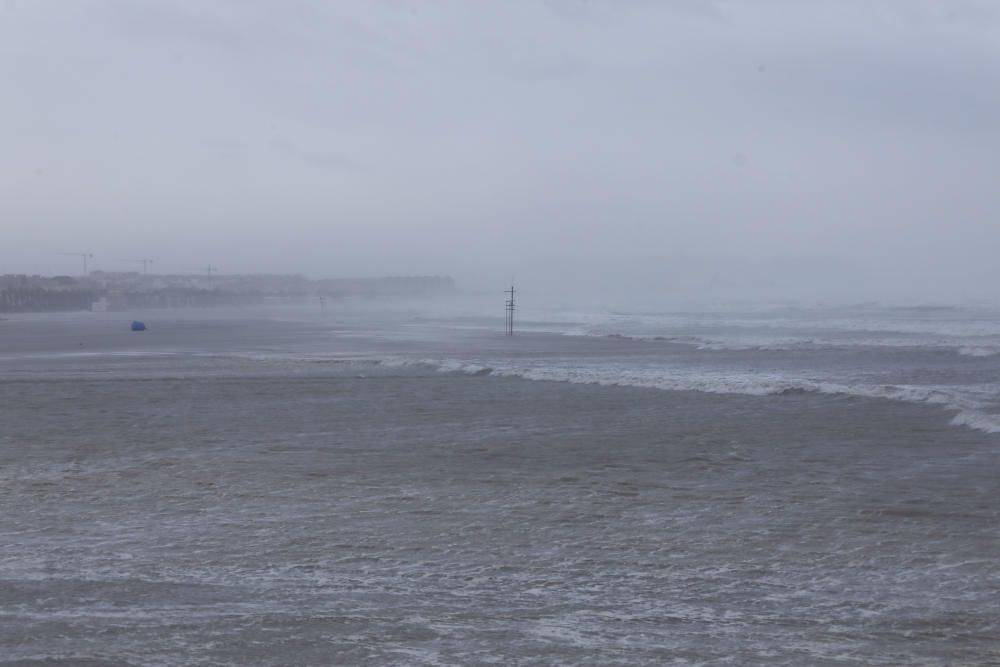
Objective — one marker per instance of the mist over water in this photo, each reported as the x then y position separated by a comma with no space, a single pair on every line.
813,151
749,413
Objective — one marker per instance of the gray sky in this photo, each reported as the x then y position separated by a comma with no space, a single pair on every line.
808,146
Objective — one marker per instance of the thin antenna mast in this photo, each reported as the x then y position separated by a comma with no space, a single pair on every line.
510,310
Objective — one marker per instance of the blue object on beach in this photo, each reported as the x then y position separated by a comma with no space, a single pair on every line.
138,326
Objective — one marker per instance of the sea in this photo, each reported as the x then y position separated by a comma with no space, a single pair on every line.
366,483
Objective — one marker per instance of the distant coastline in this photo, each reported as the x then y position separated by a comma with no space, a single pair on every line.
102,290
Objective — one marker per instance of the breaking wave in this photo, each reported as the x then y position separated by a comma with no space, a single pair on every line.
971,404
978,351
794,343
974,333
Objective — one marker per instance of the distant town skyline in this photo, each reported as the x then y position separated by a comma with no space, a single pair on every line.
572,143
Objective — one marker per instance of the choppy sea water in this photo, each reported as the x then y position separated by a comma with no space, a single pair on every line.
937,355
280,489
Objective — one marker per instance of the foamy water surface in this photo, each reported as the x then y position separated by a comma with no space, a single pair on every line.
297,488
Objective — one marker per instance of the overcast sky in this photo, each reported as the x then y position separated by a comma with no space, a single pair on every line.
849,146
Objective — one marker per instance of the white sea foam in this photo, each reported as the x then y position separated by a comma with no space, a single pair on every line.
452,366
970,333
778,343
971,403
979,421
978,351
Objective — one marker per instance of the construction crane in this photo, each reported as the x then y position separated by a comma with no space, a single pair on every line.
85,256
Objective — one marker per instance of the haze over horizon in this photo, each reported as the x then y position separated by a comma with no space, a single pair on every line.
772,149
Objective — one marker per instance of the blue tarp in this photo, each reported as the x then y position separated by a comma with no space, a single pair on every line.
138,326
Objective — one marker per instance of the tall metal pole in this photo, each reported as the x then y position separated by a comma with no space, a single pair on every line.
506,315
510,311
